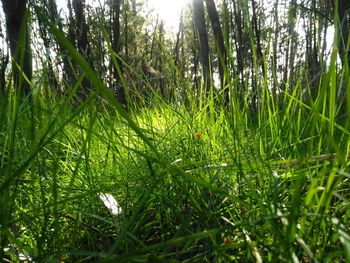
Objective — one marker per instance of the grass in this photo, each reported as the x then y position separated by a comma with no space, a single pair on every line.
219,192
198,183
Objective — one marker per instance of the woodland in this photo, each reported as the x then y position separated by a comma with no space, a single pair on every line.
223,140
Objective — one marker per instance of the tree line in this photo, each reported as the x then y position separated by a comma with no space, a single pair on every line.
244,43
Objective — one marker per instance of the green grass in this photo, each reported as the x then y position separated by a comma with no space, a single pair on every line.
232,194
196,183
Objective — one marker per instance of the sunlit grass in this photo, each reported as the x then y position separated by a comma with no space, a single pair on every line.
248,205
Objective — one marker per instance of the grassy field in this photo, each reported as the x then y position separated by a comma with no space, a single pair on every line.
198,182
193,184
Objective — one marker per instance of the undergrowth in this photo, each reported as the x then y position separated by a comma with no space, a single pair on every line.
218,193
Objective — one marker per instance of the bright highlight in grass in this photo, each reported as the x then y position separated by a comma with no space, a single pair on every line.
111,203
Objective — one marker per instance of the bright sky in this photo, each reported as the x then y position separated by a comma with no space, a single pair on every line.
169,10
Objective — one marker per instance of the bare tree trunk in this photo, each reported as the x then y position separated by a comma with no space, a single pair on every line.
69,65
238,34
275,54
257,36
126,30
179,39
82,42
344,24
120,90
200,25
17,32
153,43
195,63
290,47
220,44
49,6
313,63
158,63
255,83
179,72
343,11
4,60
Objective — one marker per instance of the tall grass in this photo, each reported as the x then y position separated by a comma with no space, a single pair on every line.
193,184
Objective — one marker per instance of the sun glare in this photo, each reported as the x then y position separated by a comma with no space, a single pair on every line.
169,11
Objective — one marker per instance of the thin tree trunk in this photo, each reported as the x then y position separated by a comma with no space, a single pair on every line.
220,43
237,24
257,36
158,62
68,64
47,41
82,42
313,63
178,73
17,32
179,38
290,47
120,90
275,54
195,63
219,38
200,25
344,23
126,30
4,60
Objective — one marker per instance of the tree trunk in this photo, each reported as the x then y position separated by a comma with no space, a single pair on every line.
120,90
290,50
18,35
126,32
259,56
343,27
257,36
82,42
344,23
164,91
237,24
220,43
179,61
312,57
275,54
50,6
195,62
179,39
200,25
4,59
